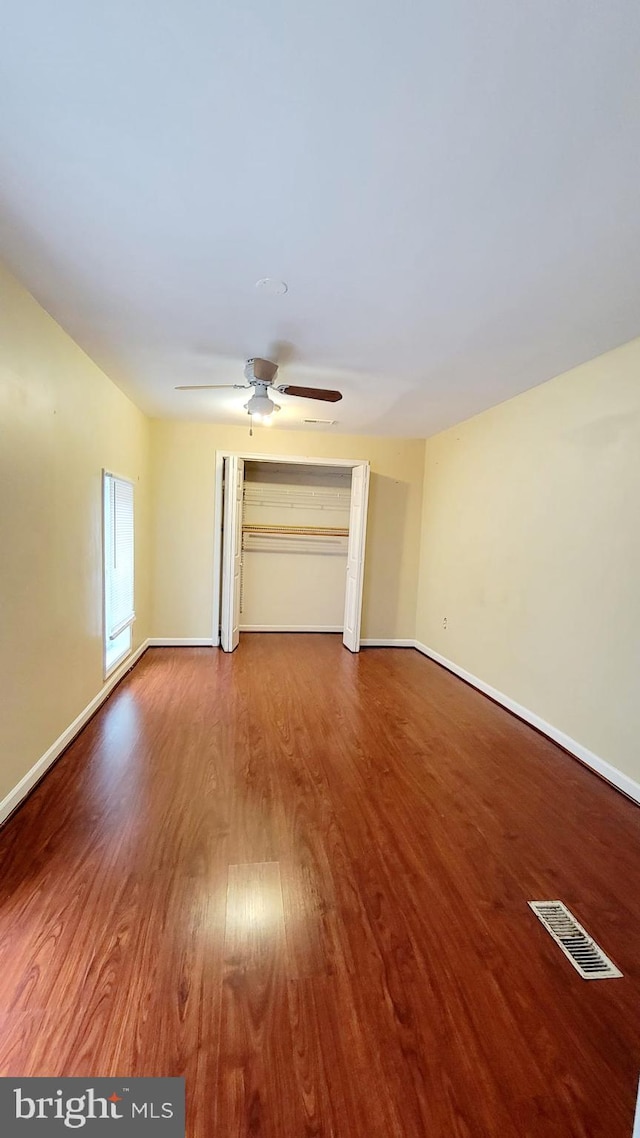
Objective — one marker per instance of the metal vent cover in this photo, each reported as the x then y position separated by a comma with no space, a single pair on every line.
585,955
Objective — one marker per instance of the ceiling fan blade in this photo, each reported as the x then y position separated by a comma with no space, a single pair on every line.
311,393
209,386
282,351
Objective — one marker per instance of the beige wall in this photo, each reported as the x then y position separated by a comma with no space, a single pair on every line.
531,550
183,462
61,421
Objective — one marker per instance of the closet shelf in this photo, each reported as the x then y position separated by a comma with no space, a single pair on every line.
295,539
304,498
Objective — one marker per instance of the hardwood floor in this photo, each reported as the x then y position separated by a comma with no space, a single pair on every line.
299,879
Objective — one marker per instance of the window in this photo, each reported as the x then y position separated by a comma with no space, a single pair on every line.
119,612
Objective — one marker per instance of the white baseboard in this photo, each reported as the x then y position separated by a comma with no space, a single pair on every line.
291,628
13,799
375,642
180,642
202,642
616,777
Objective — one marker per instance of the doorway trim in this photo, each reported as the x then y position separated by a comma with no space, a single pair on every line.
220,455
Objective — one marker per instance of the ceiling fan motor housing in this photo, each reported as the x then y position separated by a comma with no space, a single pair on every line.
257,370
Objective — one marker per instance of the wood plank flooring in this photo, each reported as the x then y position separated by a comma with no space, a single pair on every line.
299,879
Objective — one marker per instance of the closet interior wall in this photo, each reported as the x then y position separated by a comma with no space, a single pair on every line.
294,547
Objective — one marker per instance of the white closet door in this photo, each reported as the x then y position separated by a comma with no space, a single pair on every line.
231,553
355,556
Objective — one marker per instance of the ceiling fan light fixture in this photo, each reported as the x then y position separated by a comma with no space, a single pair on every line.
260,405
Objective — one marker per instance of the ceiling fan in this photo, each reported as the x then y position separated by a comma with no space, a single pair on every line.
260,376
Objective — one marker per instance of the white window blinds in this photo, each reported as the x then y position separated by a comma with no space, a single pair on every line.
118,561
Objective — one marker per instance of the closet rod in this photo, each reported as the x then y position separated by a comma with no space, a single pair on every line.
319,531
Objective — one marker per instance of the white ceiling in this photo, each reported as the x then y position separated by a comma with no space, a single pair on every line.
450,190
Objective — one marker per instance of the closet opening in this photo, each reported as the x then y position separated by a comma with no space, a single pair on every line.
290,546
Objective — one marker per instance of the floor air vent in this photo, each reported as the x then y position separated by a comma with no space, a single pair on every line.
587,959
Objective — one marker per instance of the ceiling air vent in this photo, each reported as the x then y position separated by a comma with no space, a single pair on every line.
587,959
322,422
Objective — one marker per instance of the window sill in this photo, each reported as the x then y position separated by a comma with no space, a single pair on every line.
108,672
